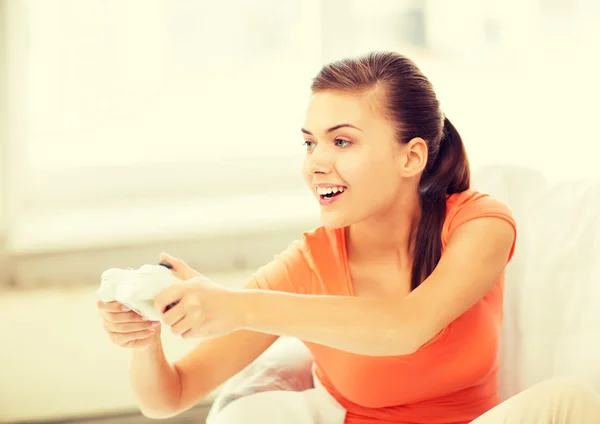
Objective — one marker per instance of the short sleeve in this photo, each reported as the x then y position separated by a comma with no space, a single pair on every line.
470,205
287,272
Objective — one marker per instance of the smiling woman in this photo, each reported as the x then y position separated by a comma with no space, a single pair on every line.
403,281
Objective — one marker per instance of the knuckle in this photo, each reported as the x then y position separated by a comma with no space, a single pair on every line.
143,334
195,300
125,317
131,327
115,318
175,263
191,302
134,317
124,327
159,301
197,316
110,306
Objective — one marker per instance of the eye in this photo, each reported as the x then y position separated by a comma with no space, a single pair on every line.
341,142
308,144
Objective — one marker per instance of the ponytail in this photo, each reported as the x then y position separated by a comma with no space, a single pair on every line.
447,172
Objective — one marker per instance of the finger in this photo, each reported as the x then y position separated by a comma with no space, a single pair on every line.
188,334
171,294
130,327
173,263
202,330
179,267
122,339
174,315
111,306
182,325
166,265
122,317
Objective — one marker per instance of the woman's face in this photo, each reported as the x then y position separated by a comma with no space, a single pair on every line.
353,161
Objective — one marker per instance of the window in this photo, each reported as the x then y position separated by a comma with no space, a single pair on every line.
131,105
157,117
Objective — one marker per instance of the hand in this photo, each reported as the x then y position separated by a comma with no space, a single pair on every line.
202,308
127,328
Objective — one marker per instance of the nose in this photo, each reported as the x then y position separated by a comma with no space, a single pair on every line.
320,161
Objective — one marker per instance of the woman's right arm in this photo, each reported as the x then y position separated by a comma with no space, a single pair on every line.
163,389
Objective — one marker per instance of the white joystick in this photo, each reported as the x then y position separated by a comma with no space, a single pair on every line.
137,288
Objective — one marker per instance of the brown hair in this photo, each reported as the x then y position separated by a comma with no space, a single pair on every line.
407,99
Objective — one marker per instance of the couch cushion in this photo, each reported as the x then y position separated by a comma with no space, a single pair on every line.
552,298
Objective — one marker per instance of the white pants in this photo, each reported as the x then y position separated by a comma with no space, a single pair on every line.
310,406
279,387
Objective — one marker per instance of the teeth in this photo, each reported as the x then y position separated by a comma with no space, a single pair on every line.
327,190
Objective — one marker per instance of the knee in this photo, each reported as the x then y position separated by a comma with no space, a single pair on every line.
567,389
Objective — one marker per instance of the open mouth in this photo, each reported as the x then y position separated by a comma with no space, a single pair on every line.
330,192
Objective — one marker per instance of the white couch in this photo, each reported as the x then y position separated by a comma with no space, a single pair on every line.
552,296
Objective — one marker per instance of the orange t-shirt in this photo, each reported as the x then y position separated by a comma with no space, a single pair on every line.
451,379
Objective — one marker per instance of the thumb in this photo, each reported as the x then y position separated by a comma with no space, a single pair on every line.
169,261
179,267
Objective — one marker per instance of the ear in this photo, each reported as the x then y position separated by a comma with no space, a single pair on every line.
414,157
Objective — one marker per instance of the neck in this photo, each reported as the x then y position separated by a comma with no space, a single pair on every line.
387,235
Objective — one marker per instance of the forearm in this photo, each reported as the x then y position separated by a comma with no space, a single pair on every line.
155,382
372,327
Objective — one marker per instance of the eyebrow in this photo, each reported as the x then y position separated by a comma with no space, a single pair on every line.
335,127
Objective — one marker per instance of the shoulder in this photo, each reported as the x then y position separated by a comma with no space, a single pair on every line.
471,205
314,246
305,264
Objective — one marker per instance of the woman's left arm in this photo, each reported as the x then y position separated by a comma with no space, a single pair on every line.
473,261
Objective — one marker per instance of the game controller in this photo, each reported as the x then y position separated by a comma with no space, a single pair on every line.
137,288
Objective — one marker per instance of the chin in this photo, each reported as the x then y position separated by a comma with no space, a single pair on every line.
334,221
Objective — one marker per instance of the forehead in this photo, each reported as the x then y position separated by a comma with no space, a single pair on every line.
331,107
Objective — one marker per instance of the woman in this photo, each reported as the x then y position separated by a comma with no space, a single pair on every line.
398,295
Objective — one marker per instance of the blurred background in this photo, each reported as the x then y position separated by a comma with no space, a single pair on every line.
131,127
